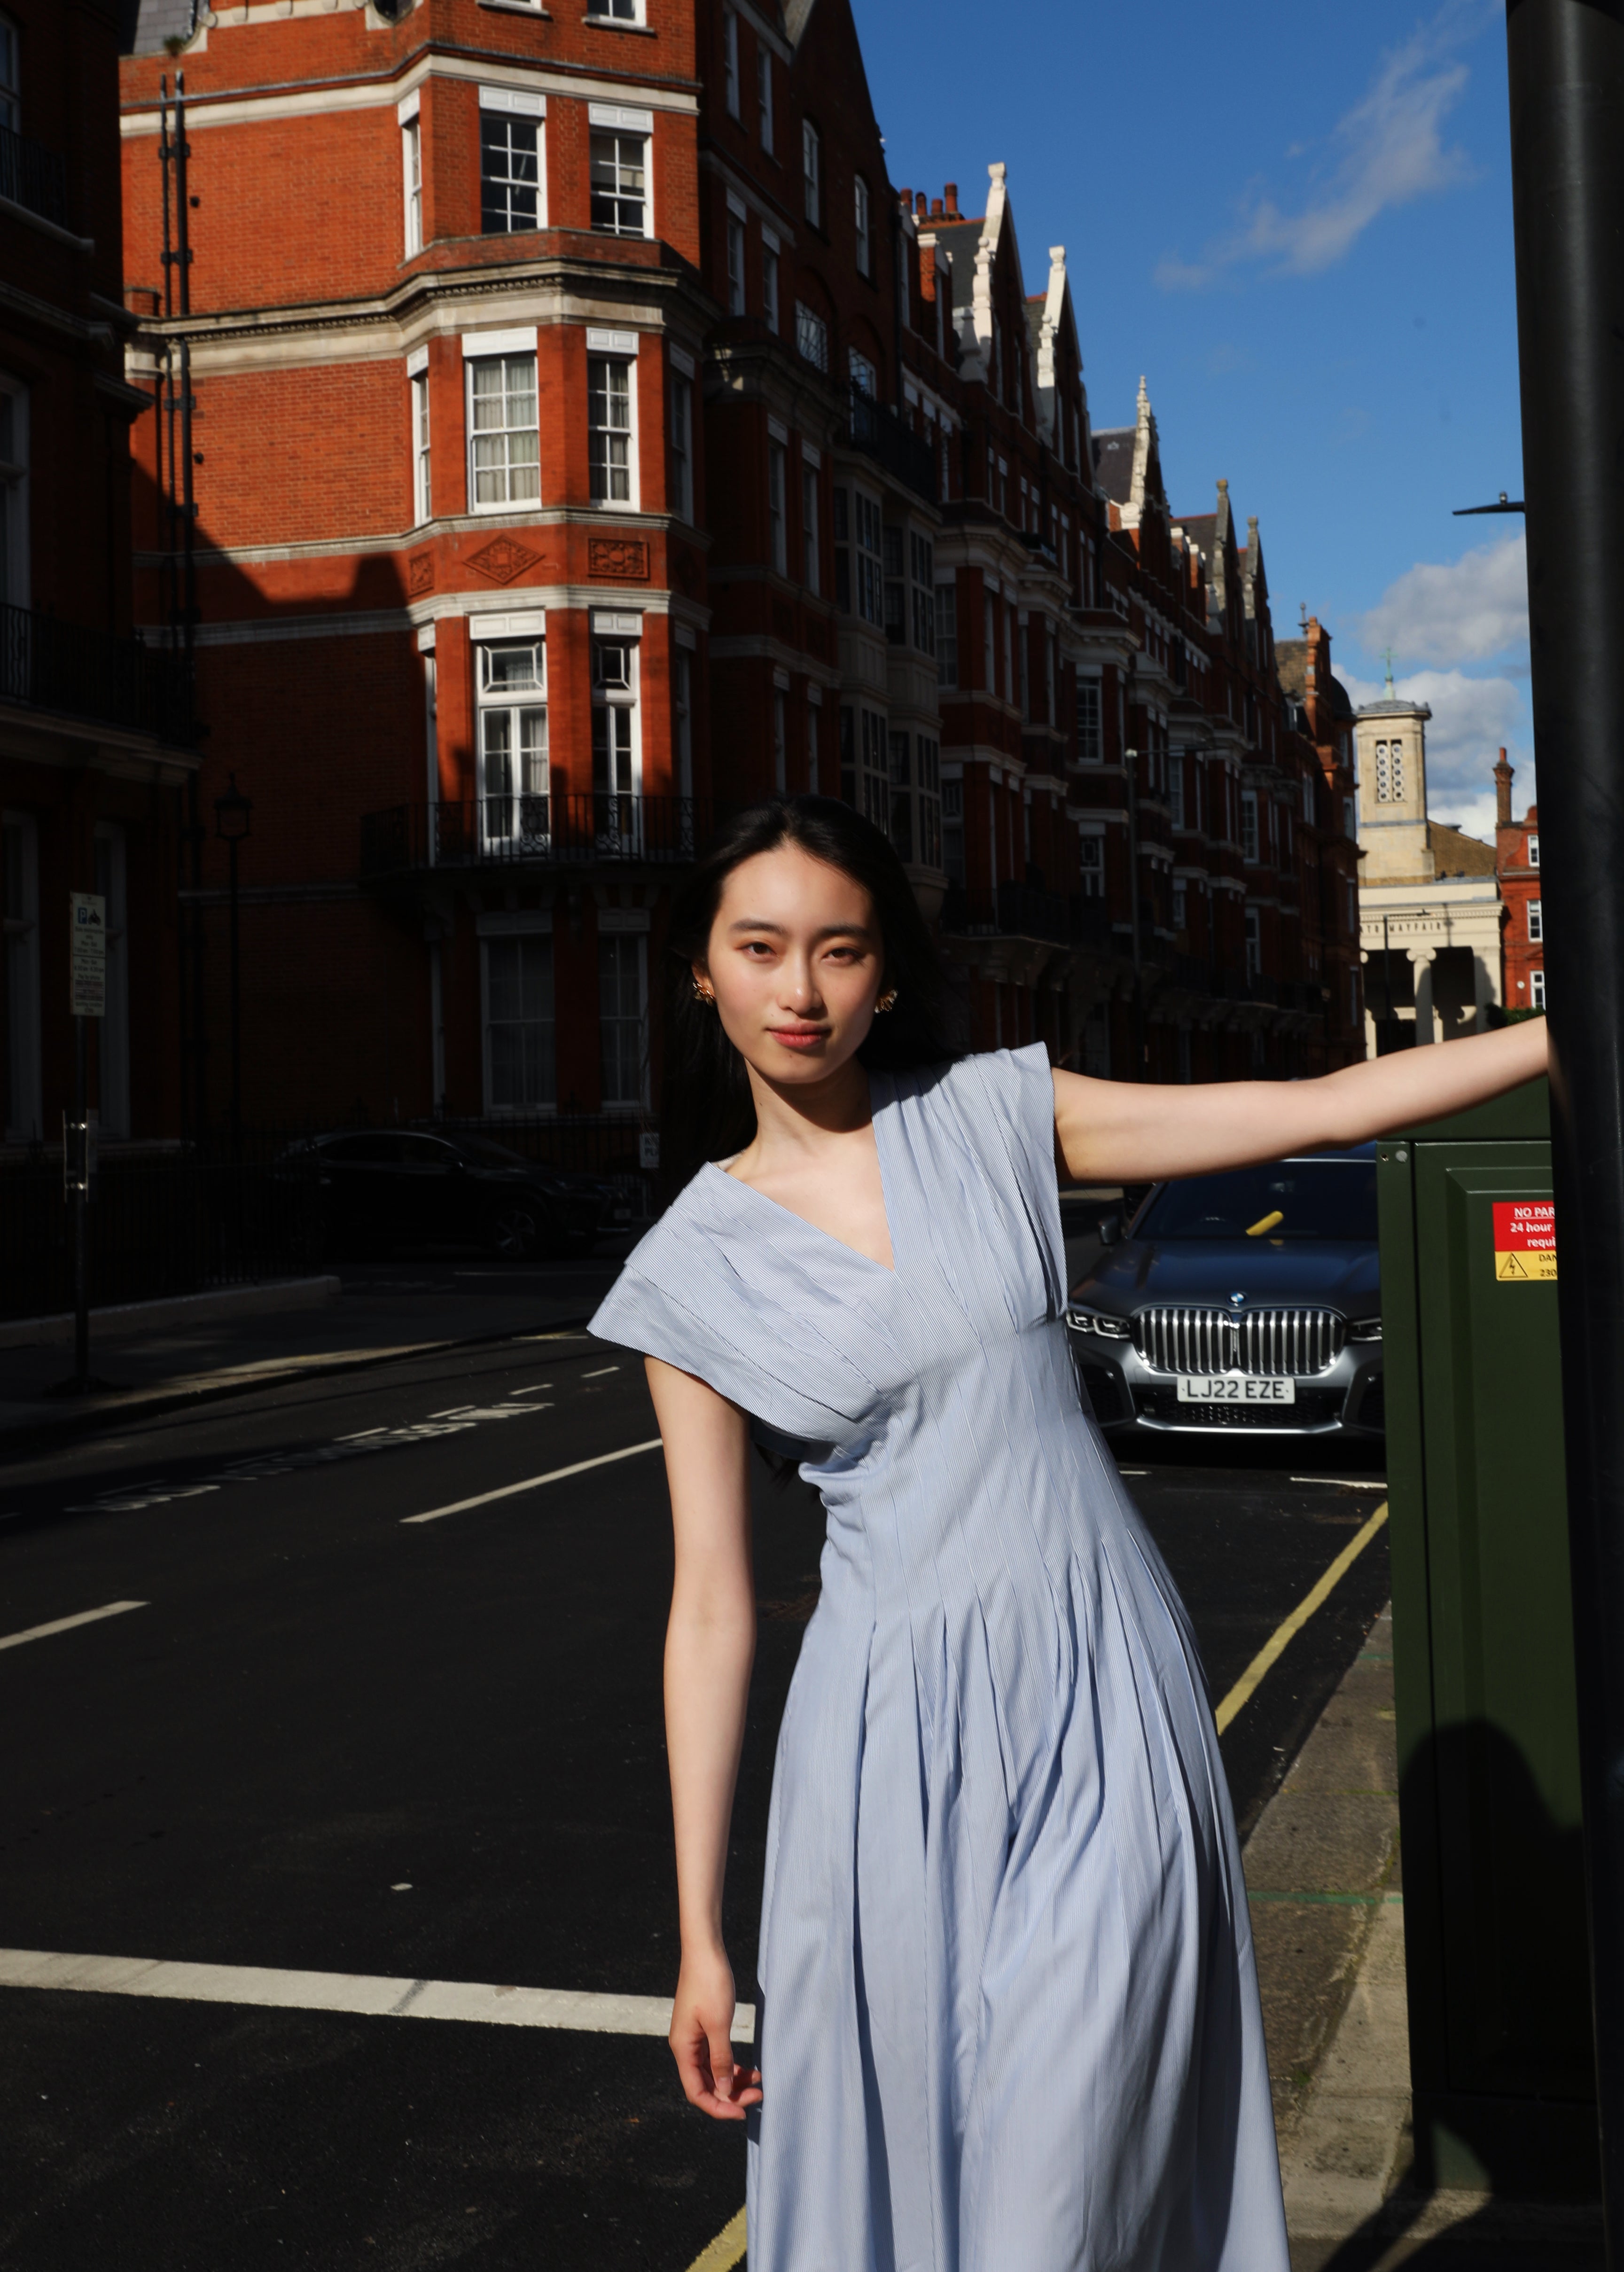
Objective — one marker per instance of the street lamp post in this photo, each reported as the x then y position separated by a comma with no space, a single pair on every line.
1567,80
233,814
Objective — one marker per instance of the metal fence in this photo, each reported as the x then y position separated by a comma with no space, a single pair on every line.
49,665
549,828
158,1227
31,175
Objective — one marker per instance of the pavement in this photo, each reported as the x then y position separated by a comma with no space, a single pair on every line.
1325,1881
383,1312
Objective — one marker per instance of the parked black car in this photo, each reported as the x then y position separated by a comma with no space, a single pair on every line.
1248,1300
387,1187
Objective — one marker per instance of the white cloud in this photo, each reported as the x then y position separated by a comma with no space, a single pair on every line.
1392,152
1472,721
1465,611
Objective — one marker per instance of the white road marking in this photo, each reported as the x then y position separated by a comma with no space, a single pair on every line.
599,1374
66,1625
367,1995
1344,1483
533,1483
534,1389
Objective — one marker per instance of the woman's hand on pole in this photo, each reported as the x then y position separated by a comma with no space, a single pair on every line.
702,2039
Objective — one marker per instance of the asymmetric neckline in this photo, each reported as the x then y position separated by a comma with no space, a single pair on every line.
891,1270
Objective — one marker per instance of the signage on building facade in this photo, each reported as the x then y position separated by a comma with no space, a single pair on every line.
87,954
1525,1241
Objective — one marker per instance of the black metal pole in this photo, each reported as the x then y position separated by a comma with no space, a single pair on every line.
236,1020
1566,76
81,1210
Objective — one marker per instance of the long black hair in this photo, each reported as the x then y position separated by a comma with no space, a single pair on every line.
706,1108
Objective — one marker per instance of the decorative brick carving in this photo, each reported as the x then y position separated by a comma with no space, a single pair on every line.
420,573
503,559
625,556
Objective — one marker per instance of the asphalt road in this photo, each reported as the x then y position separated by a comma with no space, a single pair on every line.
333,1740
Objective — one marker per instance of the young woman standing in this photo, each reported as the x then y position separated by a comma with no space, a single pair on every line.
1009,2017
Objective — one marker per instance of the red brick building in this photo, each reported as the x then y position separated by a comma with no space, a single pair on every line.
92,729
588,436
1516,868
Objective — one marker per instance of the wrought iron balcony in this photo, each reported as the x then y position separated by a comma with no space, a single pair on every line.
881,434
31,175
546,830
1028,911
46,664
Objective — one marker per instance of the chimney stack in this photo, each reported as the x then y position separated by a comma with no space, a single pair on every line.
950,191
936,209
1502,792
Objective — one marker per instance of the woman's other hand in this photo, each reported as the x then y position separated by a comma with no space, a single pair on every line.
701,2040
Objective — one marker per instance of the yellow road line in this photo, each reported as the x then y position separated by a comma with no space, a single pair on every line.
726,2251
1246,1687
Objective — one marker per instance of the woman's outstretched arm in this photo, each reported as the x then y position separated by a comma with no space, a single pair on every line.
1132,1131
709,1646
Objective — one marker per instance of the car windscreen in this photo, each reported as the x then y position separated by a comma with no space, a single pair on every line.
484,1154
1287,1198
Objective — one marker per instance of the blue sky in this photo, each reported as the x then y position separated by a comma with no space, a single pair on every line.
1295,220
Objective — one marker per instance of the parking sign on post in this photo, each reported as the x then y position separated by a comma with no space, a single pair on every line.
87,954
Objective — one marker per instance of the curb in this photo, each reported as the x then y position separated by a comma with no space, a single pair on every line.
120,1320
141,1404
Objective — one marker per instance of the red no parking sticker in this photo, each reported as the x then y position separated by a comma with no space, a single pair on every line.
1525,1241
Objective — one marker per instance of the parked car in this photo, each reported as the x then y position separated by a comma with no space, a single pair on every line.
382,1188
1250,1300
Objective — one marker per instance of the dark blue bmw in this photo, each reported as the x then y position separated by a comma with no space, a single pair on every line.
1246,1300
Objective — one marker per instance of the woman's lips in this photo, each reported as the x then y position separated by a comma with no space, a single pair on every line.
799,1037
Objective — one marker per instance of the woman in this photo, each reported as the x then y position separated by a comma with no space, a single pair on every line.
1009,2017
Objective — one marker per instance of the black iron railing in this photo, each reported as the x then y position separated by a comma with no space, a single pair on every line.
548,830
49,665
31,175
881,434
1028,911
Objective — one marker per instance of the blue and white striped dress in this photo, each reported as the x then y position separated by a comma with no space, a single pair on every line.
1010,2013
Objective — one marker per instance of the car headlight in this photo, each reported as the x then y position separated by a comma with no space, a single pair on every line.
1096,1321
1364,1329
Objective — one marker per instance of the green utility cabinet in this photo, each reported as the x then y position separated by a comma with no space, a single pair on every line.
1495,1921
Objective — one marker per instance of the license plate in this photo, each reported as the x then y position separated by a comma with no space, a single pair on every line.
1233,1388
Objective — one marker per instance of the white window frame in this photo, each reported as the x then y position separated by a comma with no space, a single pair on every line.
731,94
1090,720
497,932
863,373
861,216
947,634
1533,851
612,12
531,108
778,504
764,93
16,551
770,300
1537,989
610,696
1253,928
679,429
411,178
624,938
613,351
1537,922
736,241
422,464
514,810
812,525
504,348
624,124
812,173
812,337
1251,841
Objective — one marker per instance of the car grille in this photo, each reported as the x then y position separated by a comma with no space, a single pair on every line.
1280,1344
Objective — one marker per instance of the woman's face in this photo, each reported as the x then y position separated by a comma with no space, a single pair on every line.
796,961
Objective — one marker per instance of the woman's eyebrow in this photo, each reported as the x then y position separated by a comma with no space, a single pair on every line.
780,930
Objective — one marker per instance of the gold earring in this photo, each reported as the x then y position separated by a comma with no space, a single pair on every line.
703,991
888,1001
